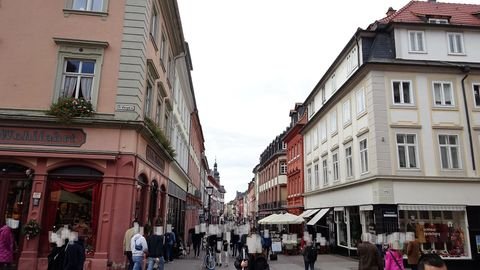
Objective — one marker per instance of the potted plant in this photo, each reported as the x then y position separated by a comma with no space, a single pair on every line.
68,107
31,229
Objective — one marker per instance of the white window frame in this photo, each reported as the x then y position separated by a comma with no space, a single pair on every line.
402,92
70,4
283,167
347,113
333,83
361,104
315,137
407,148
456,44
442,94
448,146
336,166
316,175
352,60
349,161
325,170
476,96
79,76
148,100
309,178
154,25
333,122
438,21
323,95
323,131
311,108
414,48
363,156
308,147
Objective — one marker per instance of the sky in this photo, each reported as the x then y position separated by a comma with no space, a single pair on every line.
254,59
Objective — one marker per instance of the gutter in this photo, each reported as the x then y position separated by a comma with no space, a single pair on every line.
466,70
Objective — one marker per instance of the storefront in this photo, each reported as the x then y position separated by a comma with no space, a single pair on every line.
176,207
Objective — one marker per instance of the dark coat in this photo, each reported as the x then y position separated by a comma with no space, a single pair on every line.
368,257
74,256
155,246
255,262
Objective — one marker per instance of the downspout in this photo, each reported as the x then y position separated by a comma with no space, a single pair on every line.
466,69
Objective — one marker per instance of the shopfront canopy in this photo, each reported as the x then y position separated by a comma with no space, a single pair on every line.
309,213
318,216
266,220
282,219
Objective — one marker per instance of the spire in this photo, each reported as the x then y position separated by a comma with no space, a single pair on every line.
216,174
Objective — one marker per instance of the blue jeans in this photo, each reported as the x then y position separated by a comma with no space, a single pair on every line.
151,261
169,253
137,262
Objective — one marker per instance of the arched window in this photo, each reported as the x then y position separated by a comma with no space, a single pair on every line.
152,210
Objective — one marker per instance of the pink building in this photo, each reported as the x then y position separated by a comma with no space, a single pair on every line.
108,167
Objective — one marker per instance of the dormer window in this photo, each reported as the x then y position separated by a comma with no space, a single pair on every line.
438,21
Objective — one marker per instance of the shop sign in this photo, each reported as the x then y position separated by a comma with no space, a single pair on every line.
391,214
155,158
42,136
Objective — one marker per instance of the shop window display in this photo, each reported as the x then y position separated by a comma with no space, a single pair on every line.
441,232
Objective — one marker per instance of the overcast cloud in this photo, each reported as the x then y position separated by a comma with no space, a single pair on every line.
254,59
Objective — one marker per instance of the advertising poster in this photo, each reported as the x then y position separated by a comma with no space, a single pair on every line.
477,237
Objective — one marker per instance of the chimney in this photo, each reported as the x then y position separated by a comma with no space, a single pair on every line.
390,11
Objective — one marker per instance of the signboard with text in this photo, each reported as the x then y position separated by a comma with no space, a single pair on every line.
68,137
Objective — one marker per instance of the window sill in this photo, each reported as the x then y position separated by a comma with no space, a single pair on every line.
476,109
162,65
444,108
349,123
361,114
335,133
457,54
85,12
409,169
403,106
417,52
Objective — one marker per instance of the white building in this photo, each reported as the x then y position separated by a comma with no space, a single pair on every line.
392,140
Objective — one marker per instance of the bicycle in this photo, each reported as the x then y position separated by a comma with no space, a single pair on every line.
209,260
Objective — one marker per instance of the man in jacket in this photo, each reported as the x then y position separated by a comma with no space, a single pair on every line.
368,257
155,251
126,243
139,248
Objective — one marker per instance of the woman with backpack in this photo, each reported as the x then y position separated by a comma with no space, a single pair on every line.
309,255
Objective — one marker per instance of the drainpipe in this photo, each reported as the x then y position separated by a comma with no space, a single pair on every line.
466,70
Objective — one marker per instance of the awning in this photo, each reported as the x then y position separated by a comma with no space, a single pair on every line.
318,216
366,207
309,213
432,207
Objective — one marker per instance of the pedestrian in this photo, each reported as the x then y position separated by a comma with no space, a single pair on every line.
393,259
225,251
431,262
74,253
7,244
169,241
368,256
413,253
139,247
191,232
126,243
155,251
218,249
234,243
309,253
266,245
196,239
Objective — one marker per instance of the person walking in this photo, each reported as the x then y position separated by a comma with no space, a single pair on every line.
169,241
74,254
234,243
225,251
139,247
368,257
155,251
127,241
393,259
7,244
196,240
309,255
413,253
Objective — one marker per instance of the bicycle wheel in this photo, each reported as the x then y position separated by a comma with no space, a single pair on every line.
210,262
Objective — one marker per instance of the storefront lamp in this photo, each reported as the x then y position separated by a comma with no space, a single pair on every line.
209,191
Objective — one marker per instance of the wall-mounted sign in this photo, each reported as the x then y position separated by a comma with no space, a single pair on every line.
124,107
155,158
42,136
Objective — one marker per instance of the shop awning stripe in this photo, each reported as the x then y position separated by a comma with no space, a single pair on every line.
426,207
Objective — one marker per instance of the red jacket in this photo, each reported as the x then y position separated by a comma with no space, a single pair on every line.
6,244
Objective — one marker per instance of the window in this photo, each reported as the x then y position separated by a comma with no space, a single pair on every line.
322,93
323,131
87,5
325,171
349,161
317,175
360,101
158,113
437,21
154,25
443,94
416,41
333,122
407,151
402,92
336,171
476,94
364,156
309,179
284,145
352,60
347,116
455,43
315,138
311,108
449,152
308,147
148,100
78,76
283,167
333,81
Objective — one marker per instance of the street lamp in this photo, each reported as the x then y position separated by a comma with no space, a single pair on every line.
209,193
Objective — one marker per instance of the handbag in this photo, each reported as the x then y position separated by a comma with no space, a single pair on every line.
395,260
137,246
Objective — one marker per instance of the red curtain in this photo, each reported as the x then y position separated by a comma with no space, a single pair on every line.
72,186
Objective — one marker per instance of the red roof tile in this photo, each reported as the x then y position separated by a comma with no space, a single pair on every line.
459,14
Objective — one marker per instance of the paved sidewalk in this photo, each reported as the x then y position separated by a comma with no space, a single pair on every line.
324,262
